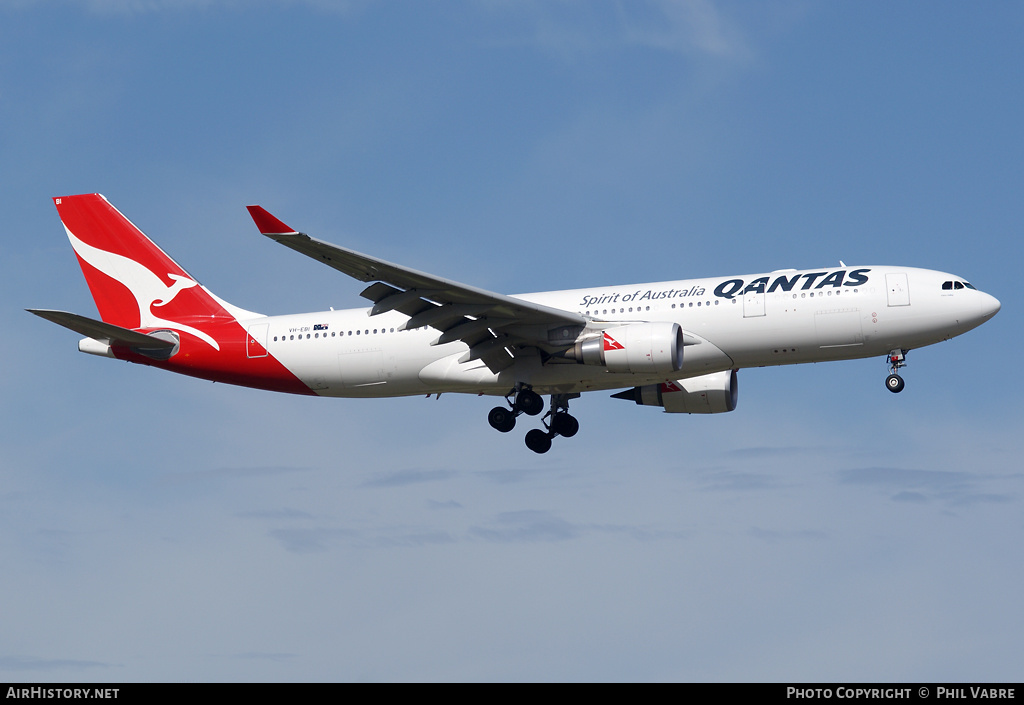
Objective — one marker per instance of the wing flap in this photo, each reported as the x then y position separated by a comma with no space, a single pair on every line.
465,330
485,348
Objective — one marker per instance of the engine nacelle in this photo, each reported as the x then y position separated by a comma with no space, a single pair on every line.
708,394
656,348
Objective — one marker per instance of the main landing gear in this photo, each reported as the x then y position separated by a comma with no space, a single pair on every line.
523,400
897,359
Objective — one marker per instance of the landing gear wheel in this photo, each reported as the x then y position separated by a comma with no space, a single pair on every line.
501,419
538,441
564,425
894,383
529,402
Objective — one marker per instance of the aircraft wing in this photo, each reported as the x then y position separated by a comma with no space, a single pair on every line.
492,325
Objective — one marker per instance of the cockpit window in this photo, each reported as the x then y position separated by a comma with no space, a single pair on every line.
949,286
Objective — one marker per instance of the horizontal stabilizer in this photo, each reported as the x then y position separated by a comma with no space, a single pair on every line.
103,332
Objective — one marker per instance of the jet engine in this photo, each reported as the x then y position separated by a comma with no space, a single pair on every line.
708,394
636,348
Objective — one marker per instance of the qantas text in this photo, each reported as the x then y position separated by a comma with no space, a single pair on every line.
787,282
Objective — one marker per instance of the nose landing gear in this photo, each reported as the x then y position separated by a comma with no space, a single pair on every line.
897,359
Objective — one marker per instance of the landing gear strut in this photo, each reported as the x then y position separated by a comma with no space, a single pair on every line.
897,359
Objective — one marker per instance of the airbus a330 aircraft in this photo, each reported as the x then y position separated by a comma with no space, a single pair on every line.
674,344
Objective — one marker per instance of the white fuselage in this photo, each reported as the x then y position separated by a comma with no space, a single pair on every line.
777,318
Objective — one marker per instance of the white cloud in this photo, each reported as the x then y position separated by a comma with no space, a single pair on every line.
571,27
688,26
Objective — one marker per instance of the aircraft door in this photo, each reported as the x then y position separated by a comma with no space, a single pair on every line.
753,304
897,288
256,340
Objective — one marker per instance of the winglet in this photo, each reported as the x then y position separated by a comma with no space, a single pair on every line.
268,224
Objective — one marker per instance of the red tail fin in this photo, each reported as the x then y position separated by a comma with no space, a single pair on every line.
134,283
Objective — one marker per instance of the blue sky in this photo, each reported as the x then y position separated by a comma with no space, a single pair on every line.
154,527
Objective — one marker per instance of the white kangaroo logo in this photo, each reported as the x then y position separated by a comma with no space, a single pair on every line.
146,287
180,283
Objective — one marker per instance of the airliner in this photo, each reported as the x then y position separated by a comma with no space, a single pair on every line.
676,345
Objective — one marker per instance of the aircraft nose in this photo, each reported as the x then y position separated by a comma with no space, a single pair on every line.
975,309
989,306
